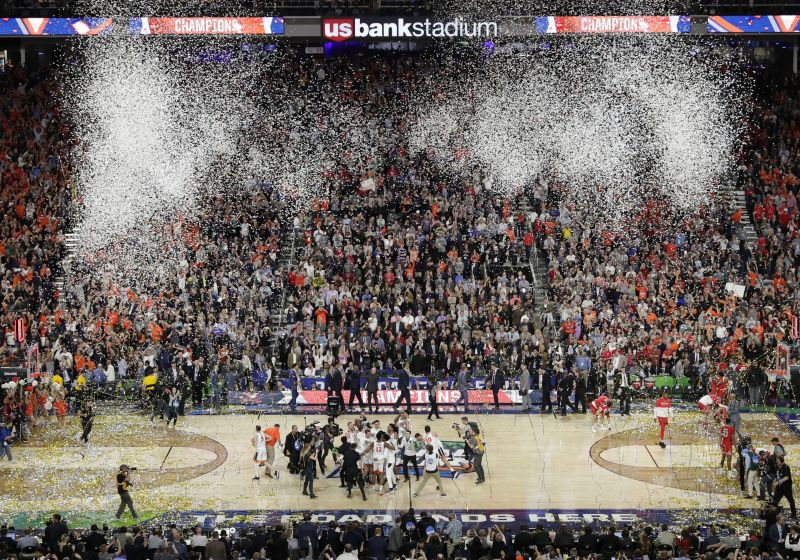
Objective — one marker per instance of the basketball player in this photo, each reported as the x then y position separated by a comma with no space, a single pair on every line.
404,425
381,448
352,434
430,438
391,457
726,445
364,447
720,387
721,413
706,405
410,445
601,408
662,411
259,441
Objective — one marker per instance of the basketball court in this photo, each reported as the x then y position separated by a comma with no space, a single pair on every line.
537,462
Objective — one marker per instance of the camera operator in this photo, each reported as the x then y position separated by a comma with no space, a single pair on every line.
467,426
166,551
473,443
123,482
769,473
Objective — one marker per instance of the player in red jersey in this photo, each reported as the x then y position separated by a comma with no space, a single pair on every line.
707,404
720,386
726,445
662,411
721,413
601,408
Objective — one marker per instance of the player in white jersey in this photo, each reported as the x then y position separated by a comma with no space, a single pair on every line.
259,441
430,439
380,452
391,457
352,435
404,425
364,446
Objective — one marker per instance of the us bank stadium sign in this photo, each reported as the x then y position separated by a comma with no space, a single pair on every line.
347,29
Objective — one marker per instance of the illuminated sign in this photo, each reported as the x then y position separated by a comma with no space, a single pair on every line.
613,24
344,29
207,26
754,24
54,27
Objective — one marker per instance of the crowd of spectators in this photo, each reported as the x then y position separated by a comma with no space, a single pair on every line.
34,188
770,177
401,264
397,262
656,303
418,536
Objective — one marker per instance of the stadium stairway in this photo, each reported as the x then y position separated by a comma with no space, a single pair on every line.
71,245
286,259
537,264
737,200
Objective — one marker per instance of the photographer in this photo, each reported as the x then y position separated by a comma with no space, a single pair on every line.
167,551
123,482
327,553
467,426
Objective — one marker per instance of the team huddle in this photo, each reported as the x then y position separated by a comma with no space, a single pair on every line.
367,454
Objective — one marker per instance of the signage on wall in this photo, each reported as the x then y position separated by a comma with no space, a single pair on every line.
346,29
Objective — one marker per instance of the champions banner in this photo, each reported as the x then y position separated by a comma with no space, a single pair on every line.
54,27
613,24
318,383
754,24
385,397
207,26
